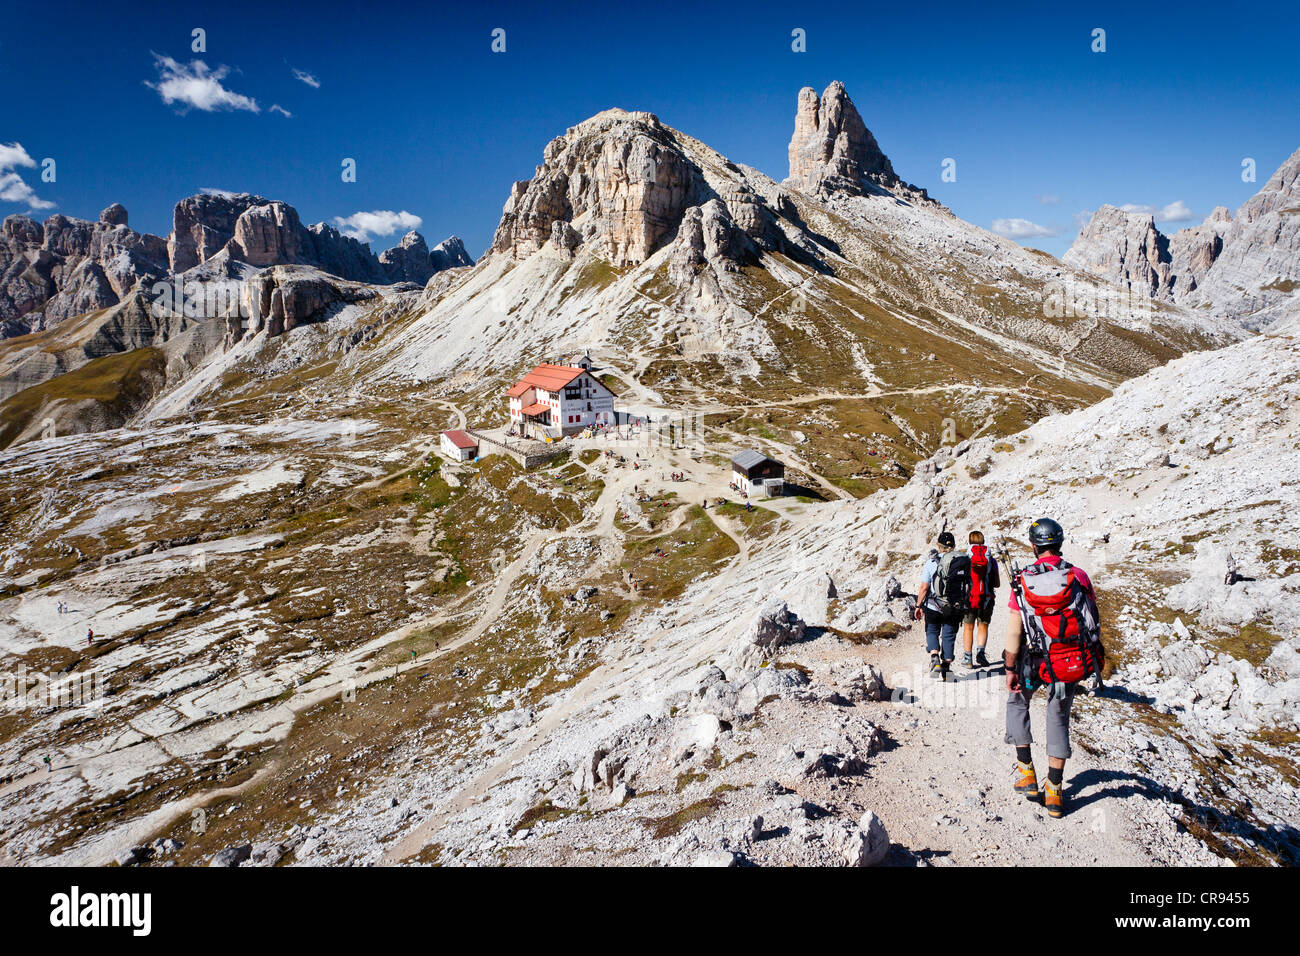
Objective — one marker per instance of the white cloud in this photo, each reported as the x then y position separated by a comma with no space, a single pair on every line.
1047,199
12,155
197,86
277,108
13,189
223,193
1176,211
1022,229
380,222
12,186
304,77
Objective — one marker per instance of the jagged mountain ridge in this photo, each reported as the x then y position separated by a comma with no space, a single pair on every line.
75,294
635,236
65,267
703,274
1244,267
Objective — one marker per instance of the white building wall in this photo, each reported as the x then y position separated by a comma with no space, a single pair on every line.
575,413
450,450
570,413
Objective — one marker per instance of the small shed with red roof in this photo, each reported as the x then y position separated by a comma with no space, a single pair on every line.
459,445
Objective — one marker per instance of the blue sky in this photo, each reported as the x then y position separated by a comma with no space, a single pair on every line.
1041,128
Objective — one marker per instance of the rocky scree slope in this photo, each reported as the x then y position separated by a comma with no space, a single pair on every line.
716,734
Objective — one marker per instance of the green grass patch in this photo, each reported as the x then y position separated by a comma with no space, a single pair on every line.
121,383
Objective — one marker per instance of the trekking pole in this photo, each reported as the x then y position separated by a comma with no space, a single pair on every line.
1004,553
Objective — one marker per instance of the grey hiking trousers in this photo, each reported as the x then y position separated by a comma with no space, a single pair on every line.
1058,721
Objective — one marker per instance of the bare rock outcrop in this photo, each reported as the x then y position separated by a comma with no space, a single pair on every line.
340,255
285,297
832,151
1256,276
832,147
267,235
67,266
263,232
620,178
708,239
1126,249
626,186
1193,251
114,215
203,224
413,261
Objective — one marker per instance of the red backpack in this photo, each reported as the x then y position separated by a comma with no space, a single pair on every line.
979,573
1061,617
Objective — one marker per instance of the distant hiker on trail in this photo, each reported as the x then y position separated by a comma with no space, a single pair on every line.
985,580
942,601
48,766
1053,641
90,636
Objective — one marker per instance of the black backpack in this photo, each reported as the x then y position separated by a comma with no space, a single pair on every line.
951,585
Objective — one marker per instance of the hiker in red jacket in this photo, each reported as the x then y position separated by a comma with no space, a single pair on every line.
985,580
1056,600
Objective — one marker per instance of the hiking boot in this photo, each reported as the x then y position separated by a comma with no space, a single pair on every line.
1026,780
943,670
1053,800
966,660
980,659
936,669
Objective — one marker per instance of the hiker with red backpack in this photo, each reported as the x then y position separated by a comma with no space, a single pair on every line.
1054,642
985,580
943,599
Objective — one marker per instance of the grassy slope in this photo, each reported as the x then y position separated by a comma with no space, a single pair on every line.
121,383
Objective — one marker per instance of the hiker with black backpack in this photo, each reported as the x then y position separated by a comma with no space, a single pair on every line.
985,580
1054,642
943,598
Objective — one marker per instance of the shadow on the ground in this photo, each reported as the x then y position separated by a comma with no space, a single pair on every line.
1094,786
794,490
900,855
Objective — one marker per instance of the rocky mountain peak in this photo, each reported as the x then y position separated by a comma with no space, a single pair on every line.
412,261
1125,248
267,235
832,149
1279,193
68,266
620,178
450,254
833,153
114,215
413,241
1245,267
203,224
621,185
